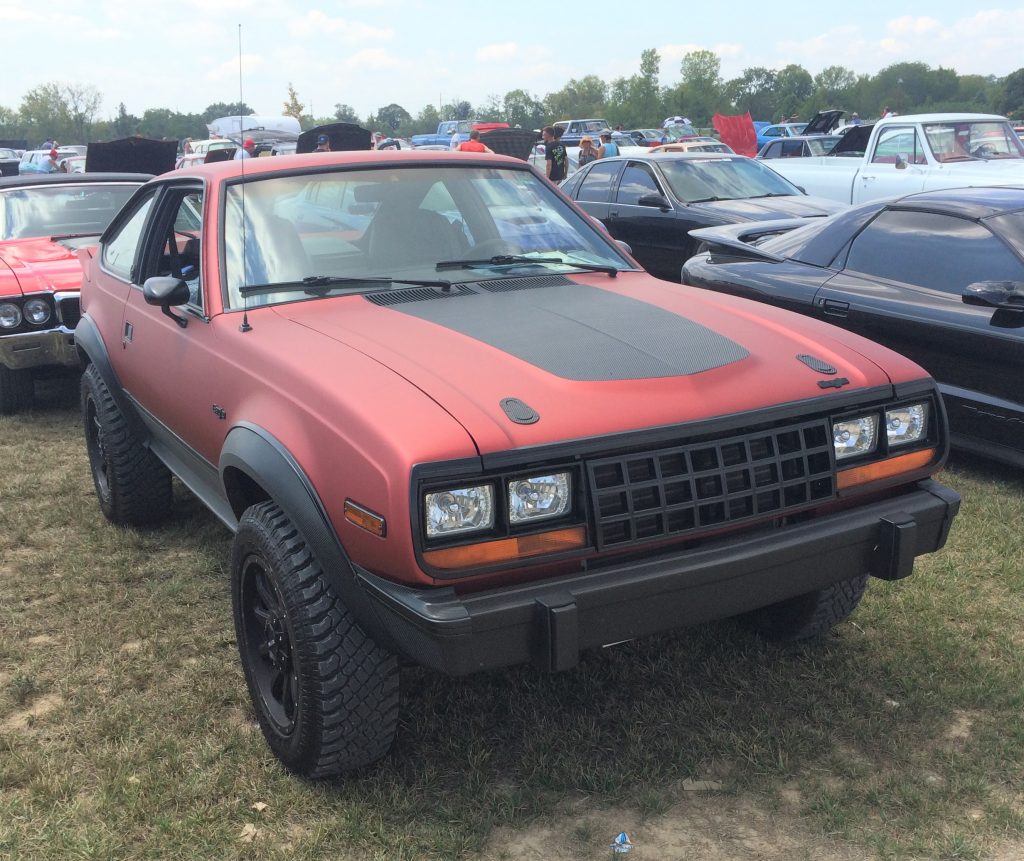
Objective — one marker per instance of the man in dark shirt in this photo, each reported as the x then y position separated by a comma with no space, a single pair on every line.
555,157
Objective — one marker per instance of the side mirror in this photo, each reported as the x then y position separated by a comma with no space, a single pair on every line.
901,163
1005,295
165,291
624,246
658,201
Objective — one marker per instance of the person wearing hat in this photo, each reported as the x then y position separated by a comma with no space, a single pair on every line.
588,153
246,150
608,146
323,144
855,119
474,144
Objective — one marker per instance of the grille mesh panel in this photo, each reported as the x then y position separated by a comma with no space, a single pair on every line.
416,294
695,487
504,285
69,311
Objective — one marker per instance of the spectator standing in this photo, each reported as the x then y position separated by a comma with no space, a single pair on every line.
454,142
51,162
555,158
608,146
186,146
587,151
323,144
474,144
246,149
855,119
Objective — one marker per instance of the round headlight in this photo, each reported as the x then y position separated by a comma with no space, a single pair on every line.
37,311
10,315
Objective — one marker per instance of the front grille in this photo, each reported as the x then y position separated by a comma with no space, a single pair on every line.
69,312
673,491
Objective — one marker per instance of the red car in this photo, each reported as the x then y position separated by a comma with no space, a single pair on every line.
434,445
43,219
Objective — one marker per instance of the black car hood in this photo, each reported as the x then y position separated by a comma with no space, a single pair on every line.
823,122
343,137
131,155
855,140
517,143
762,208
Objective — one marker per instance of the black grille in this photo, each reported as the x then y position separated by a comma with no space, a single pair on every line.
528,282
699,486
69,311
416,294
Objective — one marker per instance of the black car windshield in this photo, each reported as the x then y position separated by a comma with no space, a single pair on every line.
703,179
966,141
60,209
398,223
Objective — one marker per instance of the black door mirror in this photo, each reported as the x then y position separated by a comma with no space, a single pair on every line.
165,291
1006,295
658,201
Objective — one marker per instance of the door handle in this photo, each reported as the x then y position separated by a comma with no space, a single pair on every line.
128,332
834,308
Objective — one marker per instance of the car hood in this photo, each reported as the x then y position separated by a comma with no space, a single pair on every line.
823,122
39,265
545,359
761,208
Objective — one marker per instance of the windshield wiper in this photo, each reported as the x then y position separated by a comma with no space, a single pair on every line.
708,199
518,259
321,285
60,236
771,194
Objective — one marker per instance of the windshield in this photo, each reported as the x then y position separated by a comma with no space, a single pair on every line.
700,179
966,141
400,223
60,209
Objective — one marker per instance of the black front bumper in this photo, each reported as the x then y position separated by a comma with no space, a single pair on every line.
550,621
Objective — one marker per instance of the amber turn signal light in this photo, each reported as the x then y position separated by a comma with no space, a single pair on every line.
491,552
884,468
365,519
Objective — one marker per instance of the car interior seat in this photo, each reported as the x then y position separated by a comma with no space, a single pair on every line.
400,236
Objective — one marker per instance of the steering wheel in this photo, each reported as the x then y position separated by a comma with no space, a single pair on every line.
984,151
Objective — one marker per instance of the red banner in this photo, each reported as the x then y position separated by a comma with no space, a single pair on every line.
737,131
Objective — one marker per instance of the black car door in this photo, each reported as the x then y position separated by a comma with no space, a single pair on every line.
902,285
594,191
657,234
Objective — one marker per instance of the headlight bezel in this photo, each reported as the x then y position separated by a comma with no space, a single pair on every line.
885,446
15,309
36,301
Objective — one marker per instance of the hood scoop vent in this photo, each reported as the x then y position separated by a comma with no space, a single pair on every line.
417,294
818,365
504,285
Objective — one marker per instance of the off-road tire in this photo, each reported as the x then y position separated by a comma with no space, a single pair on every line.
808,615
16,389
132,484
325,693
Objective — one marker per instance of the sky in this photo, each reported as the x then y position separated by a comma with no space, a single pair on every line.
184,55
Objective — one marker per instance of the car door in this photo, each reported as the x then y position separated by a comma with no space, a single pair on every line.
594,191
884,176
902,284
657,235
169,362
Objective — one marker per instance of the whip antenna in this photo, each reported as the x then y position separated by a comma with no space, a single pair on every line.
245,327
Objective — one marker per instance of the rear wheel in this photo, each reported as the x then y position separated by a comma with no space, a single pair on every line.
325,693
133,485
808,615
16,389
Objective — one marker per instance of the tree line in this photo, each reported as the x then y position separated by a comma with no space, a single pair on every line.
71,112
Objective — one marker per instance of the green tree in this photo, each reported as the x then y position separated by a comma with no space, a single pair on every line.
700,92
124,123
1010,99
293,107
426,121
64,110
753,91
225,109
637,101
522,110
794,86
580,98
392,117
345,113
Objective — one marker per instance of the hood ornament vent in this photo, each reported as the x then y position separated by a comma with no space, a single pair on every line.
519,412
817,365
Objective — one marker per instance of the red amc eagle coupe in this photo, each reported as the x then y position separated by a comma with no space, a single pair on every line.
449,420
42,221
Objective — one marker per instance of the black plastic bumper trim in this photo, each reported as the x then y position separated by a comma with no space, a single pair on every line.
548,622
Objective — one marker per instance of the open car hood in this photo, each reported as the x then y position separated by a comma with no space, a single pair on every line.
131,155
517,143
823,122
855,140
344,137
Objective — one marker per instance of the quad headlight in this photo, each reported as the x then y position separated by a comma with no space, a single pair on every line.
856,436
37,311
10,315
538,497
459,510
905,425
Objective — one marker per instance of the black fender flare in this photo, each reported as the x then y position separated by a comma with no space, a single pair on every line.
93,350
259,455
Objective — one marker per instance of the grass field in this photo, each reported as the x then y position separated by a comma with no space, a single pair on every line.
126,731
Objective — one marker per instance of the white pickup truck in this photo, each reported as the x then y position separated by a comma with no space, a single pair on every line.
918,152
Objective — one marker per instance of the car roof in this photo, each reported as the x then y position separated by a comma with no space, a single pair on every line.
644,154
975,202
76,178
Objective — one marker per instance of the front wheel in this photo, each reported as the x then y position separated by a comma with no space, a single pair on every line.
325,693
808,615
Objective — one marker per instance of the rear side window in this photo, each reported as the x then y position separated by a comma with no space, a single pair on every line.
597,184
938,252
119,250
792,149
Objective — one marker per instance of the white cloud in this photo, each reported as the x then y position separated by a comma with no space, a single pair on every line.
908,25
500,52
374,59
229,69
317,23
